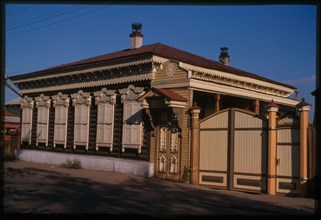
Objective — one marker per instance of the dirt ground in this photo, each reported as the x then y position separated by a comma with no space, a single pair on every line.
44,188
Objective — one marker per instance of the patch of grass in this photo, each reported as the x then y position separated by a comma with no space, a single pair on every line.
72,164
9,156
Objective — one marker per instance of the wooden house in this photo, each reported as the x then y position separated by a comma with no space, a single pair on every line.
230,128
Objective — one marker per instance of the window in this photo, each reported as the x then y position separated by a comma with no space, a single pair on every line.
132,118
60,103
162,164
174,141
173,164
162,142
81,102
26,121
105,101
132,126
42,104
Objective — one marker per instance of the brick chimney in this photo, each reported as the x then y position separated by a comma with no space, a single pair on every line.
224,57
136,37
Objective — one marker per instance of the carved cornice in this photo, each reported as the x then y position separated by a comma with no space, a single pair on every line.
81,98
229,79
26,102
131,93
42,101
89,70
60,100
105,96
118,80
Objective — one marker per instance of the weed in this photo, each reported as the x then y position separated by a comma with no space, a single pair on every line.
72,164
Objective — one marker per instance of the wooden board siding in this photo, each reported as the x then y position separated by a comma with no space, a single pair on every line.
178,75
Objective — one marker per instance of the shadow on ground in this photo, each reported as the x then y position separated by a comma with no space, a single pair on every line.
32,190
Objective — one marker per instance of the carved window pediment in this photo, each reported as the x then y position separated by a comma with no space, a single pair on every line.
81,98
42,101
60,100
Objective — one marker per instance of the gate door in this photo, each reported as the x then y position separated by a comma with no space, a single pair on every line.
233,150
288,167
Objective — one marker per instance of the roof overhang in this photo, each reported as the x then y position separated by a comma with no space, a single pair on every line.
232,80
158,98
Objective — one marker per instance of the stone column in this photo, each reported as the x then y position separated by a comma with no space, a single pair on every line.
271,181
303,108
195,140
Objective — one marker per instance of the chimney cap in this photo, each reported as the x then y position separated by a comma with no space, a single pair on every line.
136,27
224,57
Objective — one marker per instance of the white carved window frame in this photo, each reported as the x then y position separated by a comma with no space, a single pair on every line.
26,104
174,141
105,101
42,104
81,102
173,164
61,104
132,133
162,139
162,164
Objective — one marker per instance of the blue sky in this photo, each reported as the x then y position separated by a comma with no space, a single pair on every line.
275,41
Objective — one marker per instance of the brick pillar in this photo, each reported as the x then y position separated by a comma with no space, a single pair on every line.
303,108
195,140
271,181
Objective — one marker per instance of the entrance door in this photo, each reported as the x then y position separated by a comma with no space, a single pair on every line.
167,153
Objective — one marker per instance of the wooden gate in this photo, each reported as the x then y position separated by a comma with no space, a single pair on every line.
288,157
233,151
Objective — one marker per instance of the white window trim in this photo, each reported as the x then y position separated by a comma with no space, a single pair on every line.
61,101
105,97
43,102
130,95
27,102
81,99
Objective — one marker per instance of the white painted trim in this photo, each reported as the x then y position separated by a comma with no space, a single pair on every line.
90,70
222,76
222,89
118,80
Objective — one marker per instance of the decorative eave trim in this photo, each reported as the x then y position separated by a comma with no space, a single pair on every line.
195,72
157,59
91,70
222,89
118,80
175,104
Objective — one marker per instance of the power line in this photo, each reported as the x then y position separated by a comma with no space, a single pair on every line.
42,18
53,23
19,10
84,20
